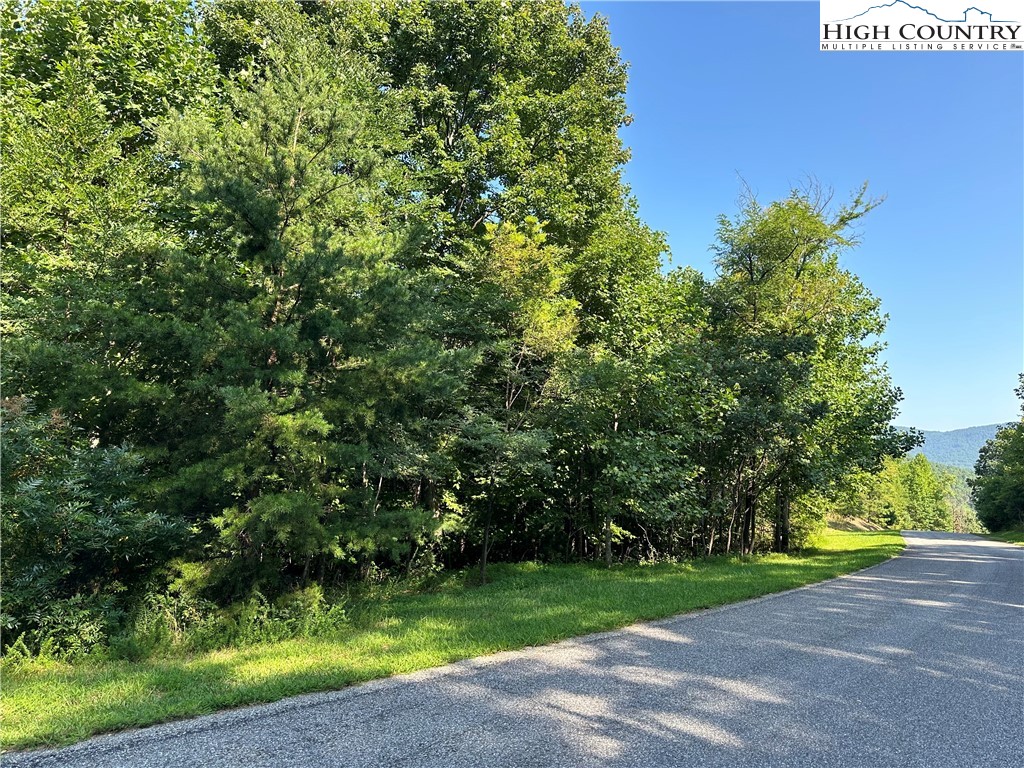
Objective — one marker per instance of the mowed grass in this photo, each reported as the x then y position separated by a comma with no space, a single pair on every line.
1012,536
52,703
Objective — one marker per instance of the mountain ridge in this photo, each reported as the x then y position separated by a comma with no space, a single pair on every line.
955,447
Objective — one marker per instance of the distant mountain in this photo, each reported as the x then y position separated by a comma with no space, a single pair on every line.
958,447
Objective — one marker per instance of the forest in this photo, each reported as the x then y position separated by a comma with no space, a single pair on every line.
911,494
300,294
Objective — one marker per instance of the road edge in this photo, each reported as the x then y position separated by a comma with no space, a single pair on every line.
159,732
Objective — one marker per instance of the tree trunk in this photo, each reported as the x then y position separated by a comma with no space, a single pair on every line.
608,514
749,519
608,540
483,553
732,527
487,538
782,527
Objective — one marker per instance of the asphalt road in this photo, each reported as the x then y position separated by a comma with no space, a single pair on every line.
915,662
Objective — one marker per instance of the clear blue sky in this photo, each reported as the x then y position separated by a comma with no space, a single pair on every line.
720,90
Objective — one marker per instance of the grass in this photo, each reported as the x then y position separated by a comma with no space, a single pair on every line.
1011,536
47,703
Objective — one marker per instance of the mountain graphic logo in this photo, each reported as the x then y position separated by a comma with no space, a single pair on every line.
908,6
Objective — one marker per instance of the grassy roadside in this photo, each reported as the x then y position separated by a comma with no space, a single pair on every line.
1012,536
50,703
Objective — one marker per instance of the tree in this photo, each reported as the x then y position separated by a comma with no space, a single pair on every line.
526,326
516,107
307,355
927,507
80,84
641,396
998,488
515,111
142,58
361,286
957,484
813,403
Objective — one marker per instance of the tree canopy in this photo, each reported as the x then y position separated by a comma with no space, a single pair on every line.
998,487
300,292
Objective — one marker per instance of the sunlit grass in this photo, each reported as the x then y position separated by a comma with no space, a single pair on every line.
1012,536
50,703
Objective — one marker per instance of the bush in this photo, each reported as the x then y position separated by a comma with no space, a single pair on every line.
78,545
807,520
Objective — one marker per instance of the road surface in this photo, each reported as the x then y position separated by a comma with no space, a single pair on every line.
916,662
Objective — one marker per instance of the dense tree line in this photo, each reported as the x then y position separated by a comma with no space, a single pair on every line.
911,494
959,498
299,291
998,485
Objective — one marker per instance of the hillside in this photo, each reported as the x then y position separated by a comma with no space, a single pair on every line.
958,447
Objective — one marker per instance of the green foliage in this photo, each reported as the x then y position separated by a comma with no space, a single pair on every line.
999,476
524,604
363,286
813,402
927,508
295,212
179,622
908,494
1012,536
957,485
517,106
640,398
78,228
78,543
143,57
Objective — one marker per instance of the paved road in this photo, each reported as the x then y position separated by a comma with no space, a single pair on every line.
916,662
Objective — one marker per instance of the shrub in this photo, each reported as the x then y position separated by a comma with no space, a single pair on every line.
182,622
78,545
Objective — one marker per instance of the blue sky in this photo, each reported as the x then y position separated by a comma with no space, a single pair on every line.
724,90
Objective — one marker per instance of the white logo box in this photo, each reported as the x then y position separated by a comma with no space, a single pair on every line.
930,25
